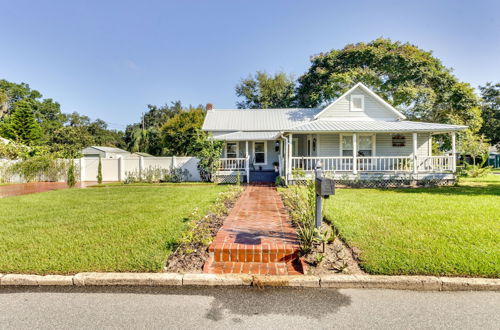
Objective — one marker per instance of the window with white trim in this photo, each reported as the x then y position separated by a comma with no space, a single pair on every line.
365,146
347,145
259,153
231,150
357,102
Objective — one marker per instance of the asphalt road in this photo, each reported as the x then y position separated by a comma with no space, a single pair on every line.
245,308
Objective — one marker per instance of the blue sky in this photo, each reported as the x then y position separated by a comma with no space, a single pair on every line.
108,59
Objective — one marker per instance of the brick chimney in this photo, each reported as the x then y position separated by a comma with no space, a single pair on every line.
209,106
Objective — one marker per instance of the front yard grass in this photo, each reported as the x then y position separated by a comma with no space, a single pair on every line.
451,231
106,228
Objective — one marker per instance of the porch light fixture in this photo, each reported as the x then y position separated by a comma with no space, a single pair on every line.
277,146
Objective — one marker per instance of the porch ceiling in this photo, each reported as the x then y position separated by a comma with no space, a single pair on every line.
374,126
249,136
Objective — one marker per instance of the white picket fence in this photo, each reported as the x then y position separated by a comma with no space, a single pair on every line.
116,169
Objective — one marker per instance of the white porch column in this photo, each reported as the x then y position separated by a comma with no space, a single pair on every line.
414,155
289,156
454,152
82,169
354,153
247,162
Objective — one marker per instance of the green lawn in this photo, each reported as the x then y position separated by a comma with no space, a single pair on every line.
438,231
110,228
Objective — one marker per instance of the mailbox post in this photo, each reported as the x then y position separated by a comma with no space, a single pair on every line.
325,187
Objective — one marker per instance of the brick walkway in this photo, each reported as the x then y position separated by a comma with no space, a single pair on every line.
256,237
16,189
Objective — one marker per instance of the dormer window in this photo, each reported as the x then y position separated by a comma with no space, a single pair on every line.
357,103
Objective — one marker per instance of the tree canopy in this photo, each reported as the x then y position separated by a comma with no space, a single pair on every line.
262,91
409,78
181,133
21,125
490,105
28,118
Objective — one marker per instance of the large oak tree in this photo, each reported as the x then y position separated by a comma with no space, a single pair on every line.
411,79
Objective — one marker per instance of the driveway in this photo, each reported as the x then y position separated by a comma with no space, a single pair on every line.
245,308
35,187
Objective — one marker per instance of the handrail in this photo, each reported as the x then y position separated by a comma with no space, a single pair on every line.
232,164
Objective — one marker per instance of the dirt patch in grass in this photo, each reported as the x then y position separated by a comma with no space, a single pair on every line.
331,258
192,252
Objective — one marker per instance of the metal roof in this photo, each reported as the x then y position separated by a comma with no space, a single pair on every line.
110,149
373,126
249,136
257,119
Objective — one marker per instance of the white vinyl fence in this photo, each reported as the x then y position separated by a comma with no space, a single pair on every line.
116,169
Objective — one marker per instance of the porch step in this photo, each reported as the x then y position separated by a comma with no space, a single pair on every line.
262,253
254,268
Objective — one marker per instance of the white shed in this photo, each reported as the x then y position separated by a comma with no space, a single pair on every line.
105,152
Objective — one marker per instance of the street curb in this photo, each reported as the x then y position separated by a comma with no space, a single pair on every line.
417,283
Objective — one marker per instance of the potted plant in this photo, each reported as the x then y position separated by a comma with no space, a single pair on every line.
276,165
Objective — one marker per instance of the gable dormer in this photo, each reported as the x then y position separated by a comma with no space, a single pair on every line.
360,103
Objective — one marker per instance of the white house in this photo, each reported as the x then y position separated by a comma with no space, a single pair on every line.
359,135
105,152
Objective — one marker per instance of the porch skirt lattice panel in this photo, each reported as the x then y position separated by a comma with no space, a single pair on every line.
384,183
229,178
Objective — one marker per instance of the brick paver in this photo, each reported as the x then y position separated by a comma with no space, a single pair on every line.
35,187
256,237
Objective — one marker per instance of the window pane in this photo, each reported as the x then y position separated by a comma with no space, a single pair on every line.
259,158
231,150
365,153
357,103
347,143
365,142
347,153
259,146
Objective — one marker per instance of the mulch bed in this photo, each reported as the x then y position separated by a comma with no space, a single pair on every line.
189,257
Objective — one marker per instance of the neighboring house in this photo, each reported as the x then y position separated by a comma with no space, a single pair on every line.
494,157
105,152
359,135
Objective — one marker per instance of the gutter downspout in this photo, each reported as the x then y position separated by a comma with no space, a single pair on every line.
286,156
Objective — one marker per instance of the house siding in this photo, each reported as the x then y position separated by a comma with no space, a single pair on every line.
385,148
329,145
373,108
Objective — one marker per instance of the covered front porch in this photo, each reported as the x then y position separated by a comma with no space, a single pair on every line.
350,155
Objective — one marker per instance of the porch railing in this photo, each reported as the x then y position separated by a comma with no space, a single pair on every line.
232,164
385,164
435,163
327,163
375,164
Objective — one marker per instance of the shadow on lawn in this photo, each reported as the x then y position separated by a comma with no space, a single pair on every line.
465,190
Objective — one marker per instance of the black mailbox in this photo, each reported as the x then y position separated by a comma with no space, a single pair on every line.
325,187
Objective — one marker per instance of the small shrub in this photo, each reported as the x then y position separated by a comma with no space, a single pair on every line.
238,178
154,174
71,178
475,171
39,168
99,171
280,181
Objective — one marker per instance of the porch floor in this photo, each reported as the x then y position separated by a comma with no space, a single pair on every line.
256,238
